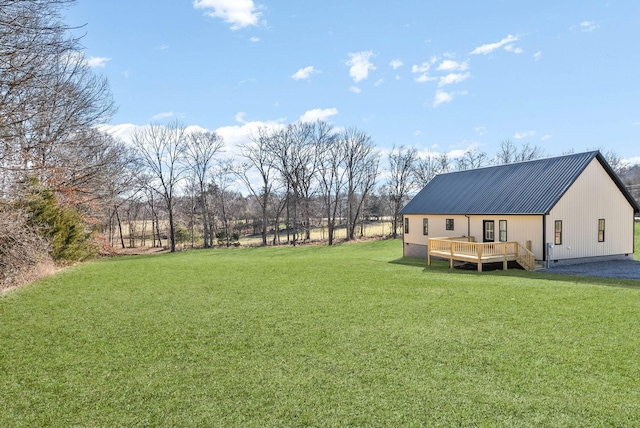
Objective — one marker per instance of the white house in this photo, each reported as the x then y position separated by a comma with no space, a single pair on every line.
563,209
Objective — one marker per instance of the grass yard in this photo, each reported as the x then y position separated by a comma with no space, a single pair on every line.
317,336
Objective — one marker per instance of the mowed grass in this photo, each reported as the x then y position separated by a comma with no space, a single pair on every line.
317,336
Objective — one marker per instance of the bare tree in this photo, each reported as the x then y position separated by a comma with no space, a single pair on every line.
200,151
161,151
361,164
402,162
294,154
222,178
510,153
615,161
427,167
49,97
472,158
260,160
331,177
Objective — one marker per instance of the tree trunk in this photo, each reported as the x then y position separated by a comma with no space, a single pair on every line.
119,227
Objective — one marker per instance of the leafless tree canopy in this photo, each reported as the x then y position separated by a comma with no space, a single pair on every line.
49,98
402,164
510,153
161,150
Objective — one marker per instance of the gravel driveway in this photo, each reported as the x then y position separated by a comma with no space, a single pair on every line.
626,269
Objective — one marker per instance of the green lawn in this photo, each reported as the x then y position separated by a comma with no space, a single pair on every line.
317,336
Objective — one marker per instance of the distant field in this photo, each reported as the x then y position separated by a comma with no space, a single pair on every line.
368,229
317,336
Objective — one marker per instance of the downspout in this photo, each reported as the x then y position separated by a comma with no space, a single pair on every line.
468,228
544,240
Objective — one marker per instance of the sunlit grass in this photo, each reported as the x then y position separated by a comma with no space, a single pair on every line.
347,335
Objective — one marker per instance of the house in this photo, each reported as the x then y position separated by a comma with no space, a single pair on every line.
562,209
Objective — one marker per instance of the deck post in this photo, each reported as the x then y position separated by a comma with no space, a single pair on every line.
479,247
504,253
451,258
429,252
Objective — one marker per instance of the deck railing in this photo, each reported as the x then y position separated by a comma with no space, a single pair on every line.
486,252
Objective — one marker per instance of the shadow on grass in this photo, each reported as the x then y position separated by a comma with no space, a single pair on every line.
495,269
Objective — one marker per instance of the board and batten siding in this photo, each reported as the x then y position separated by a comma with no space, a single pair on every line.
415,242
591,197
520,228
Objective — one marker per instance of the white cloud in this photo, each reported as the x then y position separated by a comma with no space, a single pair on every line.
545,137
445,97
254,39
360,65
449,65
520,135
512,48
161,116
233,135
424,78
587,26
97,61
457,153
355,89
631,161
318,114
379,82
239,117
490,47
396,64
123,131
537,55
453,78
304,73
481,130
238,13
423,69
636,123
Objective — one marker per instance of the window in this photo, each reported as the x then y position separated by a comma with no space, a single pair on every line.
601,230
489,230
406,225
425,226
449,224
558,233
503,230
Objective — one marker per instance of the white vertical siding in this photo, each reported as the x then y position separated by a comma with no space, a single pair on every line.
593,196
437,227
520,228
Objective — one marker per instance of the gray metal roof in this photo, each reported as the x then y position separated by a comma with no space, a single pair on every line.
532,187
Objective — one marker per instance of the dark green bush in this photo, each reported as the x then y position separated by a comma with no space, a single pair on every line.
62,227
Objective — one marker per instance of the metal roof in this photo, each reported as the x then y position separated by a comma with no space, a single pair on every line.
532,187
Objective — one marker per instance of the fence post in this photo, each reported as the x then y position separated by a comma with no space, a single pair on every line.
479,257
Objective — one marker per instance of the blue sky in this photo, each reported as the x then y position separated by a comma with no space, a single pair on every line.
442,76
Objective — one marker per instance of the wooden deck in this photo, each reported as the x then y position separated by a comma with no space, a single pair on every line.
462,249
